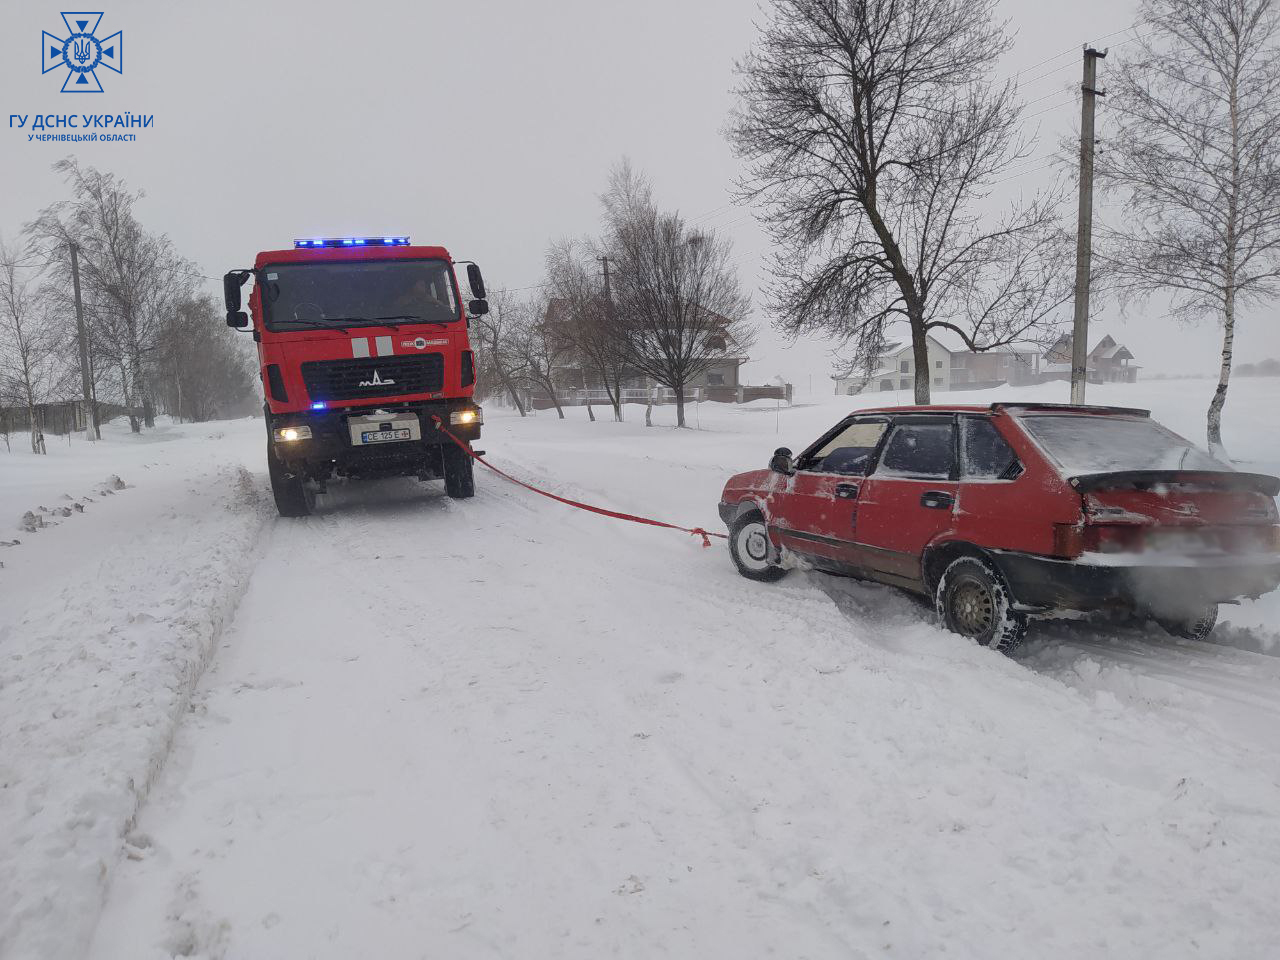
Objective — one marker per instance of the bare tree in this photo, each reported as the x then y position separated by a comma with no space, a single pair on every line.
585,316
134,278
202,369
498,339
544,344
28,343
874,137
679,305
1196,160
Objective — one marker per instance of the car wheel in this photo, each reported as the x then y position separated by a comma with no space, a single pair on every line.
293,495
751,551
1197,627
974,601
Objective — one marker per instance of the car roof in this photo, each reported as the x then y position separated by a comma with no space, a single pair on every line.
1077,409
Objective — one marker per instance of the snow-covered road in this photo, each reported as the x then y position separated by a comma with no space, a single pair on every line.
501,728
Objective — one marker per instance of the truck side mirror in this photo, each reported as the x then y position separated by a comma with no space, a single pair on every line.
476,281
781,463
478,308
231,284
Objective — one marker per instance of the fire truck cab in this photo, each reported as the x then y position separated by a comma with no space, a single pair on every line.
364,357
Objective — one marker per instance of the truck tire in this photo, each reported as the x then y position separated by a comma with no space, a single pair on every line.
751,551
973,600
459,476
293,495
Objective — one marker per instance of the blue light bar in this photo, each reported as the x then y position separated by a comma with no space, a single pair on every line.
319,242
319,405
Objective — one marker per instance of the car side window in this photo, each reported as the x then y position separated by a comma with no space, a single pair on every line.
850,451
984,453
919,448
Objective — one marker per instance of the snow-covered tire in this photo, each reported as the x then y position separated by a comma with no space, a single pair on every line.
293,495
459,473
974,601
752,553
1197,627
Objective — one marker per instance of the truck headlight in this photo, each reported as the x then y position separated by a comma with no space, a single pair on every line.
290,434
465,418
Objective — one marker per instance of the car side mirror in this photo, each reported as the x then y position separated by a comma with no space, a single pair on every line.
237,320
478,308
476,281
781,462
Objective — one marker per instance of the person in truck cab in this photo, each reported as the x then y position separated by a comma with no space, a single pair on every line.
419,300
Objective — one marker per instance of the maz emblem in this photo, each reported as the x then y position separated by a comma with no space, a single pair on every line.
377,381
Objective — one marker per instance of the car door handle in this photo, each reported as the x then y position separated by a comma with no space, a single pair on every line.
937,500
847,491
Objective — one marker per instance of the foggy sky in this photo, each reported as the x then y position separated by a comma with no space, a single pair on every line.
487,127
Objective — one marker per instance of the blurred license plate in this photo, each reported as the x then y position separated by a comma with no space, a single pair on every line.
383,436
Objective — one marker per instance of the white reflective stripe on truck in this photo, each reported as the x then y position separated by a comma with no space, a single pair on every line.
384,347
360,346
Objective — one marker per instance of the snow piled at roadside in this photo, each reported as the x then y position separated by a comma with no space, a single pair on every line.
94,679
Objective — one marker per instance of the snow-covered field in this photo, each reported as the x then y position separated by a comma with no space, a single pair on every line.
409,727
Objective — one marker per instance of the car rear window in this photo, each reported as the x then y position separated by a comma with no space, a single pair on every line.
1108,444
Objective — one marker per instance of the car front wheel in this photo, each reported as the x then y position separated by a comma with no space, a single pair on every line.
752,553
973,600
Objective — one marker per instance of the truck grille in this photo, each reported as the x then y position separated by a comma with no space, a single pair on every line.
373,377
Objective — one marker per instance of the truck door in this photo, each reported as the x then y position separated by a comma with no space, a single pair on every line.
910,498
815,513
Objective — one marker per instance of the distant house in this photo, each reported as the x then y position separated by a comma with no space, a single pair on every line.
979,370
895,370
1107,362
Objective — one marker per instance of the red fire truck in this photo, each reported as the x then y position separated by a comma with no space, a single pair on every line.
364,355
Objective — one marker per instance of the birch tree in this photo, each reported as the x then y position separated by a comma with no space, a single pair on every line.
28,342
874,139
133,278
1195,162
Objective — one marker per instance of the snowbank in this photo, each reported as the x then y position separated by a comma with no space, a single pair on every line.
112,617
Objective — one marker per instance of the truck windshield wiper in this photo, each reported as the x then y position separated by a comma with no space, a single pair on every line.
316,325
414,318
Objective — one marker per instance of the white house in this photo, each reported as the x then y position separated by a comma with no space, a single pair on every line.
896,370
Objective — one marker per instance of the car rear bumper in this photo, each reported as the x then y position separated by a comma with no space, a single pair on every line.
1160,587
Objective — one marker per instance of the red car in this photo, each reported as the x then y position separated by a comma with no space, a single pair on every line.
1011,511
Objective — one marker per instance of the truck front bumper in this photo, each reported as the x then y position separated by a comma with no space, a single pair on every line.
331,449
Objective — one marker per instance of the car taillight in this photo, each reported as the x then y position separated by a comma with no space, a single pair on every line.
1068,540
468,368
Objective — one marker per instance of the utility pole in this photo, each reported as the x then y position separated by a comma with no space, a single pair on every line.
86,381
608,296
1084,226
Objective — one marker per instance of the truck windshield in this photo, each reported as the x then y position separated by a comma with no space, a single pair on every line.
1098,444
390,292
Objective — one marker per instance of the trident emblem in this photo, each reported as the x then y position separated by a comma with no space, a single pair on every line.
81,51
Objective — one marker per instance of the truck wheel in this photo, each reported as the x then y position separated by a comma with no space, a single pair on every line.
459,477
294,496
751,551
974,601
1197,627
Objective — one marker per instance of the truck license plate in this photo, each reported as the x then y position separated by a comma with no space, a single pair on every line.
383,436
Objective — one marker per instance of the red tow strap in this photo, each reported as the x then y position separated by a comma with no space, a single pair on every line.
706,535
